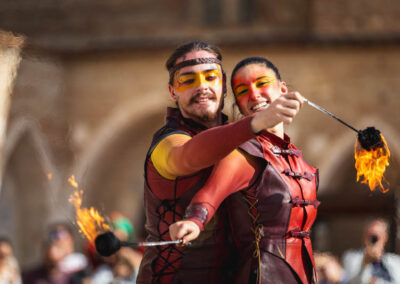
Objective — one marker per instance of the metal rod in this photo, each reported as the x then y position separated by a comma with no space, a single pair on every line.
331,115
150,244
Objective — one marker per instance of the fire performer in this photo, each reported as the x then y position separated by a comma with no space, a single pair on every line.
275,205
180,160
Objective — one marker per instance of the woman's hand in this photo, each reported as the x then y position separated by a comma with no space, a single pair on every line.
185,230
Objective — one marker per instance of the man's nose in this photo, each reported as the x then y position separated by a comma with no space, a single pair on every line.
202,83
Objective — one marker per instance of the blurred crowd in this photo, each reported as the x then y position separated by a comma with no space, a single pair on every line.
61,264
368,265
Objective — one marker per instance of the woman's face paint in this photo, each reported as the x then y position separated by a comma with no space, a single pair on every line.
258,83
188,80
255,87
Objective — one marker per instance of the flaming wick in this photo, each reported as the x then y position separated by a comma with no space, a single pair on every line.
371,153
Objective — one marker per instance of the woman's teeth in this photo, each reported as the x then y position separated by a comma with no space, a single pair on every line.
257,106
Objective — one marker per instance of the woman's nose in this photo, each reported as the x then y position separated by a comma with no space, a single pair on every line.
254,94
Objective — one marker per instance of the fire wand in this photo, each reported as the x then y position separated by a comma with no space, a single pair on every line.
108,244
368,138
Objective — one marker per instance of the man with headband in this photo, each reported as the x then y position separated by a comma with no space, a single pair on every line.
180,160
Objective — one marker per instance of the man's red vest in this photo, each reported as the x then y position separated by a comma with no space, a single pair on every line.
281,208
205,261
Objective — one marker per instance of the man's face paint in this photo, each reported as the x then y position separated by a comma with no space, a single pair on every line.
187,80
198,89
255,87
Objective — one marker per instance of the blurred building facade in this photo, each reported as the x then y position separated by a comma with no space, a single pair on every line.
91,90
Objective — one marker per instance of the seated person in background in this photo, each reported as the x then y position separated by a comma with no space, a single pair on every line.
9,269
61,264
372,264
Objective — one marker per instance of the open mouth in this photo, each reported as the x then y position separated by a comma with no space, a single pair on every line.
202,99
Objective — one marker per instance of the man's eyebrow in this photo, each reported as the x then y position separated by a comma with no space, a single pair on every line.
204,71
187,73
261,77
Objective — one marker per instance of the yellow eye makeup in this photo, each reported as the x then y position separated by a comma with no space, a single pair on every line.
190,80
241,90
263,82
260,82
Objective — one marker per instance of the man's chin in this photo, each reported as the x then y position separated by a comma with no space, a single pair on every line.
206,116
203,113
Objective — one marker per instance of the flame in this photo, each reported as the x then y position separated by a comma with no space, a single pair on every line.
49,176
73,182
89,220
371,165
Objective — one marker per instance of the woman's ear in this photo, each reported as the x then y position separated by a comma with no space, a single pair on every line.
284,88
172,93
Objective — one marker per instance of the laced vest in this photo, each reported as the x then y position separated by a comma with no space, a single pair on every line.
281,208
206,260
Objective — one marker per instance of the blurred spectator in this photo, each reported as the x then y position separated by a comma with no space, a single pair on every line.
9,269
372,264
122,267
329,269
61,264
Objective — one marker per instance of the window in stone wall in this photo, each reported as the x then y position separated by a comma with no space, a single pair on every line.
212,12
246,11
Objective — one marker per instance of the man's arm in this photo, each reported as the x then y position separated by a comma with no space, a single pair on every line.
180,155
231,174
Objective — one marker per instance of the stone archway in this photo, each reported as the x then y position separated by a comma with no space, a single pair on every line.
25,179
111,170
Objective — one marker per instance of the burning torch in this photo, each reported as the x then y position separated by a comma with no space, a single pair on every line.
97,231
371,152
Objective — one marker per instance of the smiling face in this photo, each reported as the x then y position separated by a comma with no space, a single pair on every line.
198,89
255,87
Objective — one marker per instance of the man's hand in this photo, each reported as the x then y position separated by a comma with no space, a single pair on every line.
185,230
282,109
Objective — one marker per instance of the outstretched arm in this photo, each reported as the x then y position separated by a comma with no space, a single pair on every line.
233,173
179,154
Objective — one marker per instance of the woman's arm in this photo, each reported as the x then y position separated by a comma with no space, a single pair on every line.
233,173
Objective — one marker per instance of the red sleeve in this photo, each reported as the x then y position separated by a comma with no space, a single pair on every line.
211,145
231,174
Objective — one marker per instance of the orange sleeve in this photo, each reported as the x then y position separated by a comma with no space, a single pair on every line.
180,155
235,172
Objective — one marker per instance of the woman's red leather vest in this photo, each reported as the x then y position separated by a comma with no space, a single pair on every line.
281,208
